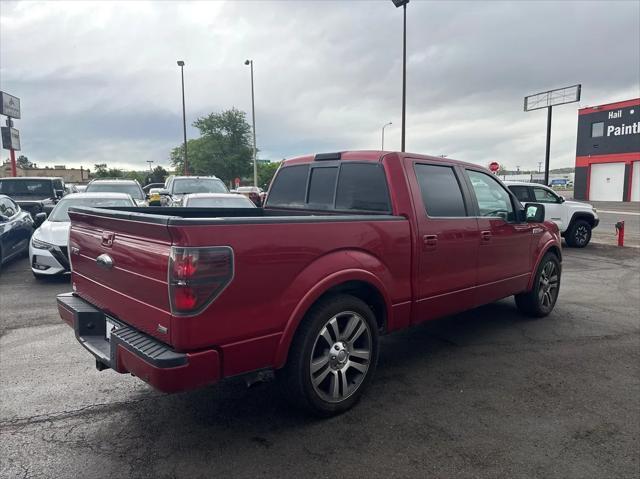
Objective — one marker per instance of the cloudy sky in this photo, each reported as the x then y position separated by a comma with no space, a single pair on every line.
99,82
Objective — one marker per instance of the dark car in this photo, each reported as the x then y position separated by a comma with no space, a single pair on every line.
34,194
16,227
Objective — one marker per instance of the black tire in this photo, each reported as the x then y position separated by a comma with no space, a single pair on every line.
336,385
539,302
579,234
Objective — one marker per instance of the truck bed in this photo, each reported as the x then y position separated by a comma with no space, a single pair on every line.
278,259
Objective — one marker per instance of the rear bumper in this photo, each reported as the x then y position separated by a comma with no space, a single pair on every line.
130,351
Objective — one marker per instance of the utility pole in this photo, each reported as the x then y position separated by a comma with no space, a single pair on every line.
383,127
253,117
184,119
403,4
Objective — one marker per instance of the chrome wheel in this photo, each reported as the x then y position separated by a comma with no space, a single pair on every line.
581,235
341,356
548,285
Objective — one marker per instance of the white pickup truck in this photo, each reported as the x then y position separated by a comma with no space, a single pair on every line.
575,219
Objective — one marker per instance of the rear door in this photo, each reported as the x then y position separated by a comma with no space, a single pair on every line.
448,240
504,259
120,265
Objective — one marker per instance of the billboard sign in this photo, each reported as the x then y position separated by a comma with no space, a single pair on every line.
10,105
559,96
10,138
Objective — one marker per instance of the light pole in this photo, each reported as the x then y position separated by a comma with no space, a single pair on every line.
403,4
383,127
150,169
184,119
253,117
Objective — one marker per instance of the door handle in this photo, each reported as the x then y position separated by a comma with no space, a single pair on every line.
430,240
485,236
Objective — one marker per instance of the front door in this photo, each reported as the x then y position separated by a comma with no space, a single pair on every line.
504,259
553,209
448,240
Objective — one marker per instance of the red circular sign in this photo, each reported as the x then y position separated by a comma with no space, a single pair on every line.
237,182
494,166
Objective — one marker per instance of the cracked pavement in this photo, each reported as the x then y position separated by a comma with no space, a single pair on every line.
487,393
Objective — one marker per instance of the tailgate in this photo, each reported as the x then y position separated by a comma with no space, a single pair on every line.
119,264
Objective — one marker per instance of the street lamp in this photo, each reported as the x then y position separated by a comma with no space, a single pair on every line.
253,116
403,4
184,119
383,127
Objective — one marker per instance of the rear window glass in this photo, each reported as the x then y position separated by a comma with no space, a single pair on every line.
440,190
362,186
289,186
322,185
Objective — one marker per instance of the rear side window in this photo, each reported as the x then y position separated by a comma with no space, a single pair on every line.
441,193
322,185
362,186
289,187
521,192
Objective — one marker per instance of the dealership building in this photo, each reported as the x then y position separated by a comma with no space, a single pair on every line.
608,152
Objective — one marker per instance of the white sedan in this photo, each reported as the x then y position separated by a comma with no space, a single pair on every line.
48,253
217,200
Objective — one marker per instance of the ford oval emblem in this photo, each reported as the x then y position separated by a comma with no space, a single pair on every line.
105,261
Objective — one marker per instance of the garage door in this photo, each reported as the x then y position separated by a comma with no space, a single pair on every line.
607,182
635,182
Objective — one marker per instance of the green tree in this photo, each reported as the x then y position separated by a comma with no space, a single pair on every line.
266,172
100,170
223,149
24,163
159,174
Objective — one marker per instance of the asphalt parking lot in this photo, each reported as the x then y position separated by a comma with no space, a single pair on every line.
482,394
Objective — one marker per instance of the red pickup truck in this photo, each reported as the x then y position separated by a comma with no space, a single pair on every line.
349,246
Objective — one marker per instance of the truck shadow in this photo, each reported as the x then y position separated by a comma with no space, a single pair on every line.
231,419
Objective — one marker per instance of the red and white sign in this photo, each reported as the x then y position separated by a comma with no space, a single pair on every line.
494,166
237,182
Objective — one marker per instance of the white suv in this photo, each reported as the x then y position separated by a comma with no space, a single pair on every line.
575,219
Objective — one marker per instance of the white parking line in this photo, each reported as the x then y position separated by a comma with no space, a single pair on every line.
619,212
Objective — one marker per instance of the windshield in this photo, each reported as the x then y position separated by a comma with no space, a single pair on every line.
61,211
132,189
182,186
239,202
26,188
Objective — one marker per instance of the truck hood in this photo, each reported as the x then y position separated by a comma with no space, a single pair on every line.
578,205
53,232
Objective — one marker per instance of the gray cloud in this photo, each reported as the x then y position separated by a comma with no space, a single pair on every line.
98,81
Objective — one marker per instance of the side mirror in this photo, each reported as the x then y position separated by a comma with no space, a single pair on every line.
534,212
562,200
59,193
39,219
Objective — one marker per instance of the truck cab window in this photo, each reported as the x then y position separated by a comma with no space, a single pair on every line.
322,185
521,192
289,187
440,190
545,196
362,186
492,199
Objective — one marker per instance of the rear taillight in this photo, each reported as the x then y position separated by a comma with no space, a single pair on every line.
197,276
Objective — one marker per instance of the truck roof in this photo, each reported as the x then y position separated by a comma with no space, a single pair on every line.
371,155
